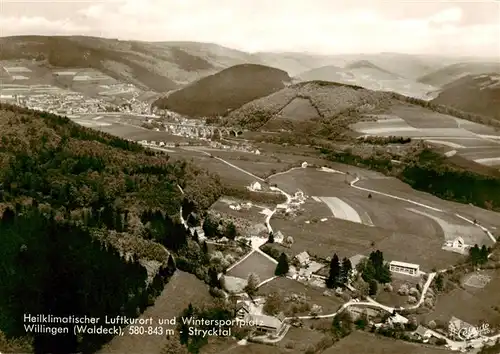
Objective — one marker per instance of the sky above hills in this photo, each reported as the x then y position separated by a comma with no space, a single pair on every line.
319,26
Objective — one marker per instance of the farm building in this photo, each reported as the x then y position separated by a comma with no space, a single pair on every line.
255,186
303,258
457,245
250,313
422,333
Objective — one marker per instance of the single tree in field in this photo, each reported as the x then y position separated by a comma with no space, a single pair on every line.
333,278
282,267
231,231
253,282
271,237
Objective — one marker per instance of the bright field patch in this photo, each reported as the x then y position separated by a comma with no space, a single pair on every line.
470,233
299,109
341,210
477,280
255,263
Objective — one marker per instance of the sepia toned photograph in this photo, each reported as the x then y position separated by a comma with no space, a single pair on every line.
249,177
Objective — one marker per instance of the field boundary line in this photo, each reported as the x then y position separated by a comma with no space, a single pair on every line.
241,260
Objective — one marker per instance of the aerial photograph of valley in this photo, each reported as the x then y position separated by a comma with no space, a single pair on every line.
285,177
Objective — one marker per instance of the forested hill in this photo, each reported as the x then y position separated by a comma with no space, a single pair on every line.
86,221
52,160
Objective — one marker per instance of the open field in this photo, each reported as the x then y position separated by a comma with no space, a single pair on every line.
345,238
454,227
341,210
380,211
260,165
314,295
362,342
255,263
461,304
471,303
487,218
253,214
138,134
182,289
300,340
227,173
311,211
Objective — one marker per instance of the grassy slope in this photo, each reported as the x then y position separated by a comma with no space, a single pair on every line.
476,94
158,66
225,91
450,73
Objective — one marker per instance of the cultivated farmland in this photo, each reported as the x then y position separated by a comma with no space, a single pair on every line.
474,141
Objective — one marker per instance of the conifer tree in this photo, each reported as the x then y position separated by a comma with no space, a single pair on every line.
345,271
333,278
282,267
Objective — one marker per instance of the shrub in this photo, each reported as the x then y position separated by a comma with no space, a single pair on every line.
403,290
412,300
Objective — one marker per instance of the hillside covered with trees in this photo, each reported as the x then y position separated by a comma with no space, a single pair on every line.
225,91
79,208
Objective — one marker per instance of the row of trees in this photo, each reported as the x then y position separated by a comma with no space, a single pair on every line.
478,255
340,273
